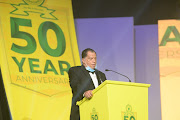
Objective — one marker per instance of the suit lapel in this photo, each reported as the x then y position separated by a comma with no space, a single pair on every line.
88,77
85,72
98,77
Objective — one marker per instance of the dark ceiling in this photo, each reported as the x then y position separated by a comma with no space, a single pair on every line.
143,11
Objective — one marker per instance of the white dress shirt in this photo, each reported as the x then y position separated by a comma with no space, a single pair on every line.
94,79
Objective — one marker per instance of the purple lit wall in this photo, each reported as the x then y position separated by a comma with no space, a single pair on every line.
113,40
147,65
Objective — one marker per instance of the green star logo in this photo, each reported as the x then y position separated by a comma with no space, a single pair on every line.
129,114
35,7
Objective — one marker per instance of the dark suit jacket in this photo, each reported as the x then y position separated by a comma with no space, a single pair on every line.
80,81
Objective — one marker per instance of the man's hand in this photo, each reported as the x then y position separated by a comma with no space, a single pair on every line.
88,94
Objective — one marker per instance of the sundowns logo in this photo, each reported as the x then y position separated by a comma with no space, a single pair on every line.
94,115
33,6
129,114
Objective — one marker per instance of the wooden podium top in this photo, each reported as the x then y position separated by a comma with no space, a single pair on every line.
114,83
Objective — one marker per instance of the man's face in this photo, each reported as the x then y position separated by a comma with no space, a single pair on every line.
90,60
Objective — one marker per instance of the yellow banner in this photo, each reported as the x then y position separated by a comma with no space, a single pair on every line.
38,46
169,60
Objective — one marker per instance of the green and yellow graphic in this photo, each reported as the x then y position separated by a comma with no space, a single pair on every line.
38,46
34,6
94,114
129,114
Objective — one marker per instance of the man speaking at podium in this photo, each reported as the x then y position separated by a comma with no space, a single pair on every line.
83,79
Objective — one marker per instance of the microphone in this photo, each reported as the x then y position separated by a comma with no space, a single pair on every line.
119,74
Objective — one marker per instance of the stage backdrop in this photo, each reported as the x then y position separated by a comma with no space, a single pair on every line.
113,40
169,61
38,46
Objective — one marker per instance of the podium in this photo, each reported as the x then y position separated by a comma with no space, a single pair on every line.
115,100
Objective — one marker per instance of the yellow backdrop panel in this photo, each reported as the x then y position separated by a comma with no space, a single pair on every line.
169,60
38,46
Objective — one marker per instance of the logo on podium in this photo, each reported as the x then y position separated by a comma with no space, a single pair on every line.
94,114
129,115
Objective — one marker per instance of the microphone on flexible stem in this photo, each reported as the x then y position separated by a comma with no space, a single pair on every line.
118,73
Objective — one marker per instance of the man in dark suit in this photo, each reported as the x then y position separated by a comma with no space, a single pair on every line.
83,79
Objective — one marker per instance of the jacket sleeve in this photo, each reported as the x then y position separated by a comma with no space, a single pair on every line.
74,81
